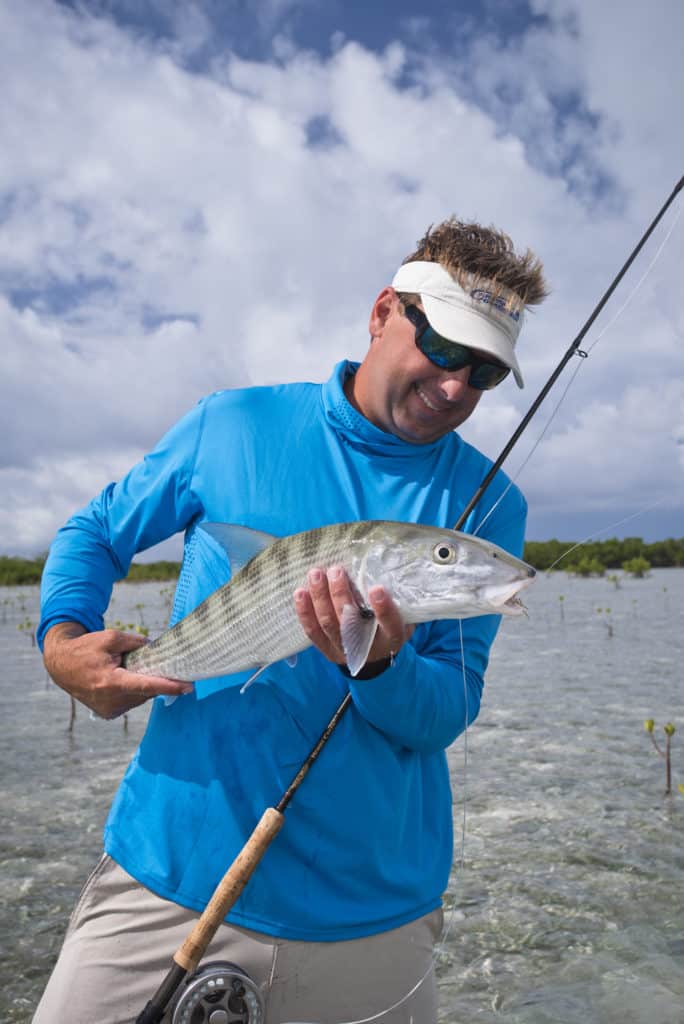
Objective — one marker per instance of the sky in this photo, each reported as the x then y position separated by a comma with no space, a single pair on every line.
209,194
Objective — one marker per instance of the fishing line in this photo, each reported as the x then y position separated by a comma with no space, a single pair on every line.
446,929
573,349
533,449
650,267
583,355
465,743
193,949
611,526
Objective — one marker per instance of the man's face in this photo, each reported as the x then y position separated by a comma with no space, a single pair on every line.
399,390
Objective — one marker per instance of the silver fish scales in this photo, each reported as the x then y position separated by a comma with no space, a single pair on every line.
430,572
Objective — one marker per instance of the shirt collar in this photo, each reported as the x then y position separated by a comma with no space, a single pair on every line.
360,432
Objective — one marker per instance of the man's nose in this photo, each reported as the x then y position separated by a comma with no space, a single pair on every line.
453,384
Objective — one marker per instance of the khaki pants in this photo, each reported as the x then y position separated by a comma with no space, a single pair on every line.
121,938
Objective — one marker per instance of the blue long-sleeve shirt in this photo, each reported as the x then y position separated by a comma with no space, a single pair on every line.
367,842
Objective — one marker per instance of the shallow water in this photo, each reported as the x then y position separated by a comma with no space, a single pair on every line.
570,904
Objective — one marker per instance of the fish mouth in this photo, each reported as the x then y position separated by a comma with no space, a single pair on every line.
506,600
514,606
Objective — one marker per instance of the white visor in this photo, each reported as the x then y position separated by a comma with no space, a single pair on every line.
484,317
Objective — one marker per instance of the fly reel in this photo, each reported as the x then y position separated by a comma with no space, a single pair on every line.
219,993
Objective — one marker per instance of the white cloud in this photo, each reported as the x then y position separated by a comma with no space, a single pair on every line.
34,500
175,232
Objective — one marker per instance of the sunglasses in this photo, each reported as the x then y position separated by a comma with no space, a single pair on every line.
485,374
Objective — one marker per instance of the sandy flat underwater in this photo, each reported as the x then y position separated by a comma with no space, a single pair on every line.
570,905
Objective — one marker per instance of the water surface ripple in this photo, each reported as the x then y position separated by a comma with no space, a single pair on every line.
570,906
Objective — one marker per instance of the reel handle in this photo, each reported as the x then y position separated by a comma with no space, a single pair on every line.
228,890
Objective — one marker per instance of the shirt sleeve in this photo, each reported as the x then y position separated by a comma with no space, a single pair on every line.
425,699
95,547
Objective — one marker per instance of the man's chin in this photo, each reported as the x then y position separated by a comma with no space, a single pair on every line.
421,423
416,432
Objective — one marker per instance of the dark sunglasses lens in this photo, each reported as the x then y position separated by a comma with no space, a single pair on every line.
447,354
487,375
451,355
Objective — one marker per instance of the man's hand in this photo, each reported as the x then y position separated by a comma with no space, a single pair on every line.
319,608
88,666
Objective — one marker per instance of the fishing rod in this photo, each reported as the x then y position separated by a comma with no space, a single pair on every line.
231,987
223,987
572,350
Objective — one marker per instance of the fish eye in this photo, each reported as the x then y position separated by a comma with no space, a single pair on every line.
444,553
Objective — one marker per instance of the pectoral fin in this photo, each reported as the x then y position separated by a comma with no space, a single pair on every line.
357,627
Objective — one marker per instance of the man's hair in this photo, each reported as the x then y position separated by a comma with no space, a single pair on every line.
475,256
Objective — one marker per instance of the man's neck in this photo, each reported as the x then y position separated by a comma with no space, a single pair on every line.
349,387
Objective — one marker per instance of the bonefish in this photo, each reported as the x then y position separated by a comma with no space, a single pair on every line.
250,622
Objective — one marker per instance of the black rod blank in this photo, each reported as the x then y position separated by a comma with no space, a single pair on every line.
155,1008
574,347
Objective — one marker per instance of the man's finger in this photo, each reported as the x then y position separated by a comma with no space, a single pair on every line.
307,616
308,619
389,618
139,685
117,642
341,593
323,606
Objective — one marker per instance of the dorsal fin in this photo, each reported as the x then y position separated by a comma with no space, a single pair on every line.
240,543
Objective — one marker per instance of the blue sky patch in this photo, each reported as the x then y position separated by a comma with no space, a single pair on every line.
59,298
151,318
207,28
321,133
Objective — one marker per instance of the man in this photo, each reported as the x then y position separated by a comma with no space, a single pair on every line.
339,920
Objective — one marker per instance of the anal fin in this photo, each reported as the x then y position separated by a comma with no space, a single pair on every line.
254,675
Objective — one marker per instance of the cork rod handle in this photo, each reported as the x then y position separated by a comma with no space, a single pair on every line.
228,890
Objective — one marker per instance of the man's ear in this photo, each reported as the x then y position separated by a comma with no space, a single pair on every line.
382,307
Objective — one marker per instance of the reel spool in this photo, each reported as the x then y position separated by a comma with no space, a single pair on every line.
219,993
